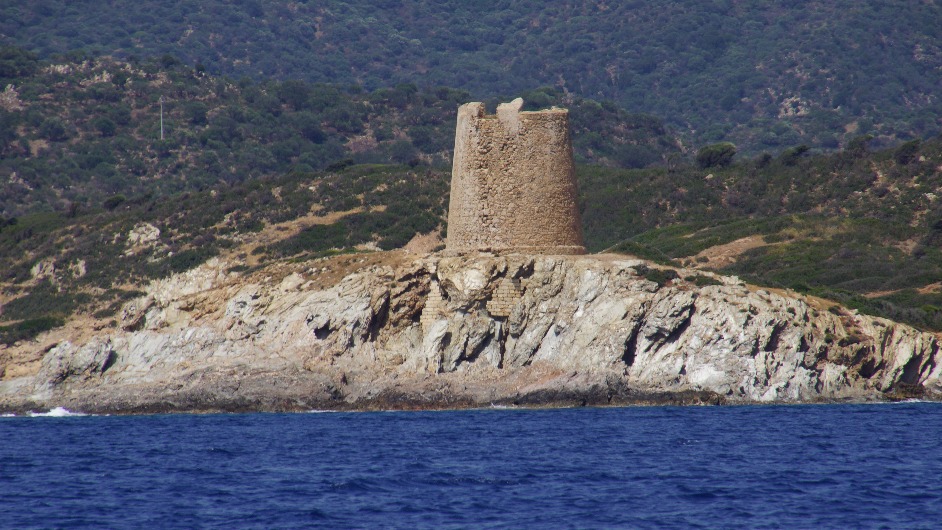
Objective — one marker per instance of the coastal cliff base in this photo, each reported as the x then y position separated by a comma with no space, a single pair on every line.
400,331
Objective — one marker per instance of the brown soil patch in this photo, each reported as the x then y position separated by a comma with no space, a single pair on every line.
931,288
37,146
279,231
608,257
720,256
324,272
878,294
424,243
907,246
327,272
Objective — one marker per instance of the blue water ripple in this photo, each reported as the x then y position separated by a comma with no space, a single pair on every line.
823,466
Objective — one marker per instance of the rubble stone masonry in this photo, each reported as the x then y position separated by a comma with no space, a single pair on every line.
513,186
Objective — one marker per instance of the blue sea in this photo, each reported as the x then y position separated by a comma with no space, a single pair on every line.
815,466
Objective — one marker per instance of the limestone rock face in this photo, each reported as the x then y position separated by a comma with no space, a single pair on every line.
475,330
142,236
66,361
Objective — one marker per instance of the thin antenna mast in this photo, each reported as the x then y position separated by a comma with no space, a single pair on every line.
161,117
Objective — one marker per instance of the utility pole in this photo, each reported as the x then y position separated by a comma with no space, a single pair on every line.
161,117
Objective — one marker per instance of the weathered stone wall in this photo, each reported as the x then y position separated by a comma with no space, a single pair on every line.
513,185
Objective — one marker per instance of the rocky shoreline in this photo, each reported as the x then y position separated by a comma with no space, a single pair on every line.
399,331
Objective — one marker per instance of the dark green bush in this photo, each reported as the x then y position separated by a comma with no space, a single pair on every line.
53,129
28,329
716,155
701,280
113,202
659,276
907,152
188,259
314,238
43,300
104,126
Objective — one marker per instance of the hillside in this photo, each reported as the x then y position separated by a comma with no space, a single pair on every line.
764,75
859,227
94,204
76,132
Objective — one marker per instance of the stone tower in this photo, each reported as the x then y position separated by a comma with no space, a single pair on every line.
513,186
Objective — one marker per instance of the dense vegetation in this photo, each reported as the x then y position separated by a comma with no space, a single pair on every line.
860,227
763,75
81,131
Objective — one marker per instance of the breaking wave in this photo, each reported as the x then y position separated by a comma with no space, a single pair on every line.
57,412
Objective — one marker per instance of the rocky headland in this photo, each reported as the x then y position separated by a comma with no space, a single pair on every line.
405,331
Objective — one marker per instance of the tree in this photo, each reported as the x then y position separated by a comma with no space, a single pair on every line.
195,112
105,126
114,201
402,151
858,145
716,155
15,62
789,157
309,126
907,152
53,129
294,93
168,61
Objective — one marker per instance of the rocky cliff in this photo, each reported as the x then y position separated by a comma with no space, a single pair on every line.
395,330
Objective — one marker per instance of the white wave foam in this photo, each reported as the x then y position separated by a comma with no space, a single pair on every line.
58,412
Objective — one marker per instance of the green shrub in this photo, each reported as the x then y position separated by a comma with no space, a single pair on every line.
44,300
907,152
53,129
104,126
314,238
113,202
659,276
701,280
790,156
28,329
716,155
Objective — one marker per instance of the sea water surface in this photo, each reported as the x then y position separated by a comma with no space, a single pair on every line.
821,466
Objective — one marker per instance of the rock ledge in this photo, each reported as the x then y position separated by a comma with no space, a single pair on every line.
511,330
